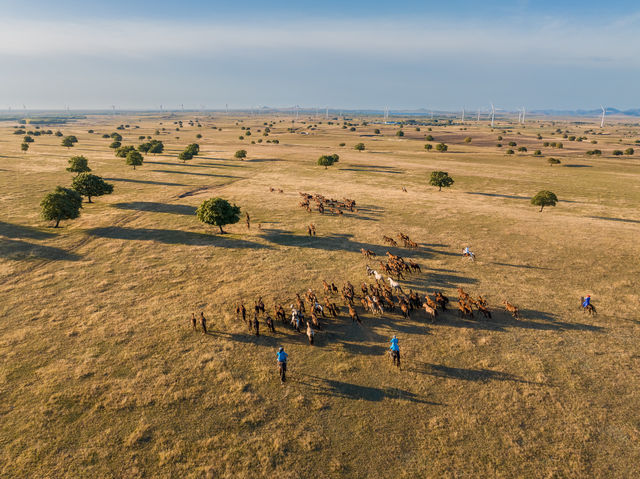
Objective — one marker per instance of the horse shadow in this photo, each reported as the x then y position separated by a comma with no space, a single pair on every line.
145,182
351,391
194,173
476,375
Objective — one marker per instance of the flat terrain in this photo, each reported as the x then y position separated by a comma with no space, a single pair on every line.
101,375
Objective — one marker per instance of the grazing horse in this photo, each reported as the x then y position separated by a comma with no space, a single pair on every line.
511,308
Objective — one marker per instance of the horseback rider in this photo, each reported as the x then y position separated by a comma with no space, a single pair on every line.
587,301
395,351
282,363
467,252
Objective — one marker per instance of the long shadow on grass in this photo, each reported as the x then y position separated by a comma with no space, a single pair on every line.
157,207
342,242
168,163
345,390
19,231
195,174
479,375
609,218
511,197
21,250
524,266
173,237
145,182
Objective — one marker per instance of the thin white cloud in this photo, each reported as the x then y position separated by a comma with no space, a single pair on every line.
537,40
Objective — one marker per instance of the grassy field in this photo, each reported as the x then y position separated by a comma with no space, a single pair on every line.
101,375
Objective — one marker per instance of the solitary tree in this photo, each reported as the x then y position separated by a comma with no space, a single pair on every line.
442,147
328,160
544,198
218,212
185,155
428,146
24,147
467,139
241,154
91,185
359,147
134,158
553,161
440,179
66,141
62,204
78,164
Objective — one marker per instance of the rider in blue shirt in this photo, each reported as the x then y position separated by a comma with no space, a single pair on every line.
282,363
395,351
587,301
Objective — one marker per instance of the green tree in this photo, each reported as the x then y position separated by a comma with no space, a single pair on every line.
218,212
240,154
467,139
156,147
66,141
193,148
24,147
134,158
544,198
442,147
28,139
116,136
328,160
553,161
185,156
429,138
91,185
376,131
629,151
62,204
440,179
359,147
115,144
73,138
428,146
78,164
123,151
400,133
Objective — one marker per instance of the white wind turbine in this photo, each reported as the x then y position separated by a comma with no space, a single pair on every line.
602,119
524,114
493,114
462,114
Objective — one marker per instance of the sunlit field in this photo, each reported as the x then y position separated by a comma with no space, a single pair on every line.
102,375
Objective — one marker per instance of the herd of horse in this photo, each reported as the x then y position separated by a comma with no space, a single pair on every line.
322,204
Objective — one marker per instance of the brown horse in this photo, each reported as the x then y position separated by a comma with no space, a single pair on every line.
515,312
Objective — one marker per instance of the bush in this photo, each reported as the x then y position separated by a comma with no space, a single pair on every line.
428,146
78,164
240,154
467,139
499,145
442,147
27,139
499,138
537,153
546,143
342,144
359,147
429,137
629,151
400,133
512,143
510,152
594,152
617,152
553,161
523,149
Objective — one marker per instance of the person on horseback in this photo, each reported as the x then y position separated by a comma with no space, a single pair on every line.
394,349
587,301
282,364
468,253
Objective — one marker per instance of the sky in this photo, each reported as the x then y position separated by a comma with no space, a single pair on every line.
442,55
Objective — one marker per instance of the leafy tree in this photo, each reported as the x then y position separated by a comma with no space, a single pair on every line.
544,198
328,160
342,144
359,147
185,155
199,135
58,133
66,141
617,152
24,147
240,154
73,138
629,151
553,161
537,153
106,135
218,212
62,204
115,144
91,185
509,152
428,146
523,149
134,158
376,131
154,146
78,164
28,139
440,179
123,151
512,143
400,133
193,148
594,152
116,136
467,139
429,138
442,147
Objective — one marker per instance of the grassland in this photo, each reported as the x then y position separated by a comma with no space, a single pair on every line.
101,375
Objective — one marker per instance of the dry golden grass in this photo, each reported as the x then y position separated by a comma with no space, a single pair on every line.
102,377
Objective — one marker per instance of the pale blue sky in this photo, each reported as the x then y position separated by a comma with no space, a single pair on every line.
358,54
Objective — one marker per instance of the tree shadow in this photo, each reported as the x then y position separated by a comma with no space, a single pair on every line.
374,169
609,218
345,390
21,250
173,237
477,375
145,182
524,266
157,207
168,163
262,160
577,166
194,174
339,242
19,231
496,195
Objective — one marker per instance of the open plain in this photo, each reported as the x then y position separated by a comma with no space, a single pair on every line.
102,376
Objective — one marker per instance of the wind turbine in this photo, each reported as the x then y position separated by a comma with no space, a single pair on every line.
326,113
462,114
478,115
524,114
386,114
493,114
602,119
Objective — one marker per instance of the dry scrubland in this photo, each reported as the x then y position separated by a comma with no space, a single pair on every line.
101,375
